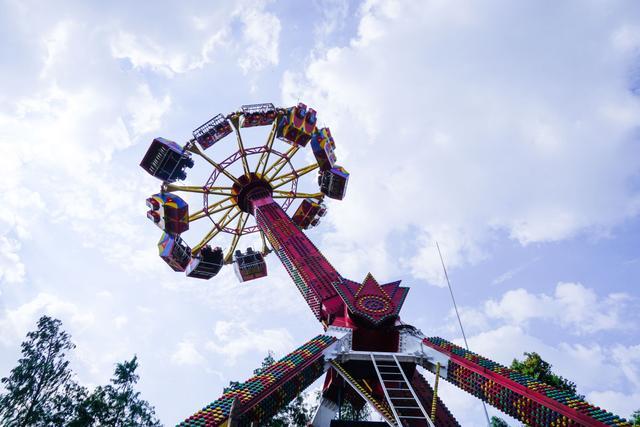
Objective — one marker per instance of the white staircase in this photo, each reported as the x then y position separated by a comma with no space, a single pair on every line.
403,401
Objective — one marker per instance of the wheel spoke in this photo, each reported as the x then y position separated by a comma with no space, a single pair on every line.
278,194
281,180
279,164
265,248
218,227
236,237
211,209
264,158
245,164
220,191
199,152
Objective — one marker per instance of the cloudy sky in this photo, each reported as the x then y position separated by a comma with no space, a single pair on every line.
507,131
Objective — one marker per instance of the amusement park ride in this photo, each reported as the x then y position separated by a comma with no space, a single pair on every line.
367,353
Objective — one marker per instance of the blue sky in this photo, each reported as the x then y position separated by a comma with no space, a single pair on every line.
508,132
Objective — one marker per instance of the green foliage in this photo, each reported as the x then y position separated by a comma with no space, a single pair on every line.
117,404
498,422
266,362
232,386
635,418
41,391
352,413
296,413
534,366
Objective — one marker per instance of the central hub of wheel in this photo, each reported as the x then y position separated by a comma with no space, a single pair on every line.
250,187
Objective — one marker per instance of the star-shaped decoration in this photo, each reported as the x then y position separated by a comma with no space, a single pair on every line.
372,301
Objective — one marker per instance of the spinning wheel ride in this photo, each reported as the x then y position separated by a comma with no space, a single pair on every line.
228,189
369,355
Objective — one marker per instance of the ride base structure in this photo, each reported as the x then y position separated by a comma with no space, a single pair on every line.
366,353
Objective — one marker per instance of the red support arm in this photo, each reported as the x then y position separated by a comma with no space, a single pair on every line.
534,403
311,272
263,395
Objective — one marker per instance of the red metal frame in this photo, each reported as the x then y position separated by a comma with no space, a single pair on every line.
515,387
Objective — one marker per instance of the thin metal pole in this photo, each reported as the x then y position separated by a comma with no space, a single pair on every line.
455,306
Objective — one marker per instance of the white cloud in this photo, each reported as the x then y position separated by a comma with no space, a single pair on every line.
260,37
120,321
334,15
60,142
144,52
187,354
233,339
455,126
627,38
14,323
596,369
146,110
12,269
55,43
510,274
628,360
572,306
211,35
624,404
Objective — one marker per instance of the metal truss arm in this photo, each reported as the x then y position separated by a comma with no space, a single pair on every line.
263,395
312,274
532,402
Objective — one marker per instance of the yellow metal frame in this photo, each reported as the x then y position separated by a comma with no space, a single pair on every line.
242,221
226,173
212,209
279,181
268,145
226,220
220,191
226,206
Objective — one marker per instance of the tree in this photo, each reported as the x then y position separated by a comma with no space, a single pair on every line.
266,362
498,422
635,418
350,412
296,413
537,368
534,366
117,404
41,390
